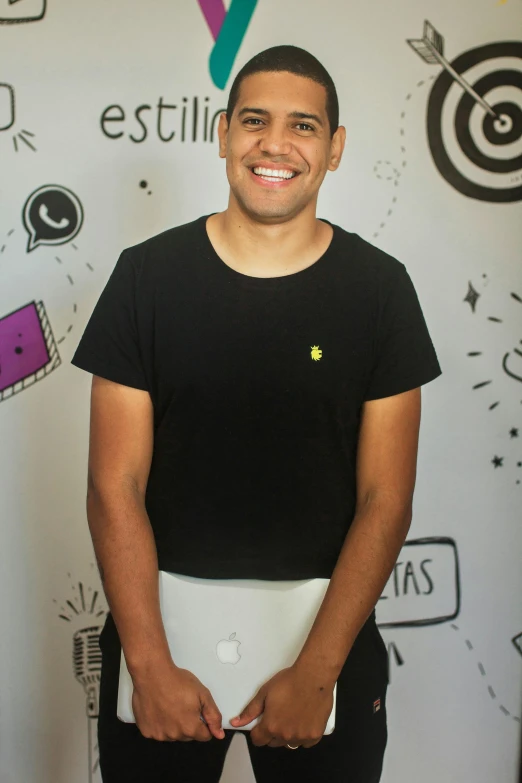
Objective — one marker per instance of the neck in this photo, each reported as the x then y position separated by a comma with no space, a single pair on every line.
268,248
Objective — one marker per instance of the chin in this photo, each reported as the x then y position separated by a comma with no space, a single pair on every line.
264,209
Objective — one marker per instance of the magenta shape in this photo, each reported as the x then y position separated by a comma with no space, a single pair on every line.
214,12
23,349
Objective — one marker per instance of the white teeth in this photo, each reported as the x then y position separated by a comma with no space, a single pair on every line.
274,173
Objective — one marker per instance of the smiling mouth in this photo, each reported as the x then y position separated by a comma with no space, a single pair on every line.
273,175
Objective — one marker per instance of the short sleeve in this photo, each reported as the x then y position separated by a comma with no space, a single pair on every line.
405,356
109,346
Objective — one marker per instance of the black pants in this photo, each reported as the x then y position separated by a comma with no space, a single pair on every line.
353,753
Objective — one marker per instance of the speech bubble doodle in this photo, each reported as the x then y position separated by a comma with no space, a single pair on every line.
12,12
52,215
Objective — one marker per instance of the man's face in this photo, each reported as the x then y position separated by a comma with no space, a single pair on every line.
264,134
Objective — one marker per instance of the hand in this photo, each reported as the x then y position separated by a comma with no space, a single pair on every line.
296,704
170,703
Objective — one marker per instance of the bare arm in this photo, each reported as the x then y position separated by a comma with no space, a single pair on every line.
120,454
386,474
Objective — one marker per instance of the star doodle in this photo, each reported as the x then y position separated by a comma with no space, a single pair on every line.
472,296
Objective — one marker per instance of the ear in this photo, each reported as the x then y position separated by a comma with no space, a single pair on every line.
222,134
337,147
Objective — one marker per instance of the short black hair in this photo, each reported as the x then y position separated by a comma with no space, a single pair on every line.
294,60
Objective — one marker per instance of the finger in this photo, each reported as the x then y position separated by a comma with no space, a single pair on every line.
212,716
260,736
203,733
251,711
306,743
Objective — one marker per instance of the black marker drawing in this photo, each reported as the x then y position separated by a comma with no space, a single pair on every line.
482,669
52,215
3,244
424,586
17,11
170,121
8,116
29,351
87,670
473,141
7,106
510,362
144,185
385,170
86,657
423,589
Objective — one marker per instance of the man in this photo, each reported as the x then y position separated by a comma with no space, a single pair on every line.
255,413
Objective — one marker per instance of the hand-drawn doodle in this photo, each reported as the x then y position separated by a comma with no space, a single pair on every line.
474,129
28,350
386,171
8,115
510,362
424,586
52,215
86,656
17,11
87,670
7,106
482,669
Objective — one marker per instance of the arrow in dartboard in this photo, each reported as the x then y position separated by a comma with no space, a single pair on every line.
431,48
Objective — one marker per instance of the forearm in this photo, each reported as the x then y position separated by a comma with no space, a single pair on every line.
127,558
365,563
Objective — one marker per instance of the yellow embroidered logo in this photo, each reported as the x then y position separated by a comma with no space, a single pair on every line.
315,353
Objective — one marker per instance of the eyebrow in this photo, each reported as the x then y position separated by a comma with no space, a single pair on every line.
298,115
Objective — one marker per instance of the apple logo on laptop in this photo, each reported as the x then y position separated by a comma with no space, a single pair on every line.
226,650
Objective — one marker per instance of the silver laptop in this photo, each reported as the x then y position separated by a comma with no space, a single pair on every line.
233,634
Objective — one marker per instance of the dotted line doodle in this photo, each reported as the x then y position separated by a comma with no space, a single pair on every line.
482,671
68,276
8,235
396,172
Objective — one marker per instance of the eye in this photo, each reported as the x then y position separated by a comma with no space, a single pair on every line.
307,126
252,119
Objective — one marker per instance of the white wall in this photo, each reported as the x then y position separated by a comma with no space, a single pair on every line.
454,701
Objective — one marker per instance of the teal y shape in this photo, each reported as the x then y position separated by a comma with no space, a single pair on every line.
228,29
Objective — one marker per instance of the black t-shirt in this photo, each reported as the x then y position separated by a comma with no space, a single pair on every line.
257,386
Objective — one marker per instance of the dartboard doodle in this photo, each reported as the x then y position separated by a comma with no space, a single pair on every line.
474,117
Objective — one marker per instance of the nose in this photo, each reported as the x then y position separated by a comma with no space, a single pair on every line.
275,140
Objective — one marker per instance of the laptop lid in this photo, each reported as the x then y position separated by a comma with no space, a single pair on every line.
233,634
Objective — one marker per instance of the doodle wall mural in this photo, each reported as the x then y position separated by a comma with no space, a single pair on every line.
108,135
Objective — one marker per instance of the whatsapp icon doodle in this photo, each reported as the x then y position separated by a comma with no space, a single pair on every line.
52,215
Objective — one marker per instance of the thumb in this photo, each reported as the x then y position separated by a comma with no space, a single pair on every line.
212,716
253,709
